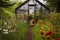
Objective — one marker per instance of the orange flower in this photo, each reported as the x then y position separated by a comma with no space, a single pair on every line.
48,33
42,32
43,23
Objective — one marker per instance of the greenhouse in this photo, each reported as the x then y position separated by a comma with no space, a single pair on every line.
32,7
29,20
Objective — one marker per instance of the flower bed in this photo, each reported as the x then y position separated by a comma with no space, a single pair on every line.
47,28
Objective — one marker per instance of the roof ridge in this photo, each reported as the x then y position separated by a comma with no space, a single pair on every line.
28,1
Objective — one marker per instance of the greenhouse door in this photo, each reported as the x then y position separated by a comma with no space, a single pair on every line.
32,10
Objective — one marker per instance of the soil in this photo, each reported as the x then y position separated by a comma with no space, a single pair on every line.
29,34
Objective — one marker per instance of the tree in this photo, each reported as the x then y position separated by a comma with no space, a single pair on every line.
7,9
6,3
54,4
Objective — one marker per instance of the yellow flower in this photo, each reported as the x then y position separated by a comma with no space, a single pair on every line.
48,28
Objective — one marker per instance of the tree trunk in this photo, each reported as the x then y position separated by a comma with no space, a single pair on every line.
58,7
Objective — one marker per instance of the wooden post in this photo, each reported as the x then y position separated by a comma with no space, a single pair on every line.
40,10
35,11
28,10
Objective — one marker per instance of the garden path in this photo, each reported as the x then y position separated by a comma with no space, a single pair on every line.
29,34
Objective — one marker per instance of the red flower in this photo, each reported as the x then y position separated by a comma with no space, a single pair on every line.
48,33
58,39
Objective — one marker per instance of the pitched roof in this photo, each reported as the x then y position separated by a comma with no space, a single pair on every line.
36,1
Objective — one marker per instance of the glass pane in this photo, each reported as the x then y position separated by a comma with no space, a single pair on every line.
31,10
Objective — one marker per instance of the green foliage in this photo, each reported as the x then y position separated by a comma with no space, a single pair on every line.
20,34
52,4
49,23
6,3
7,14
55,18
36,32
22,28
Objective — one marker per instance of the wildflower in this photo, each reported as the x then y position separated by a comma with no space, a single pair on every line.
48,33
42,32
43,23
58,39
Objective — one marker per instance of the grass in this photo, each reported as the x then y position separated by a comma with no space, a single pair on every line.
36,32
20,34
22,29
